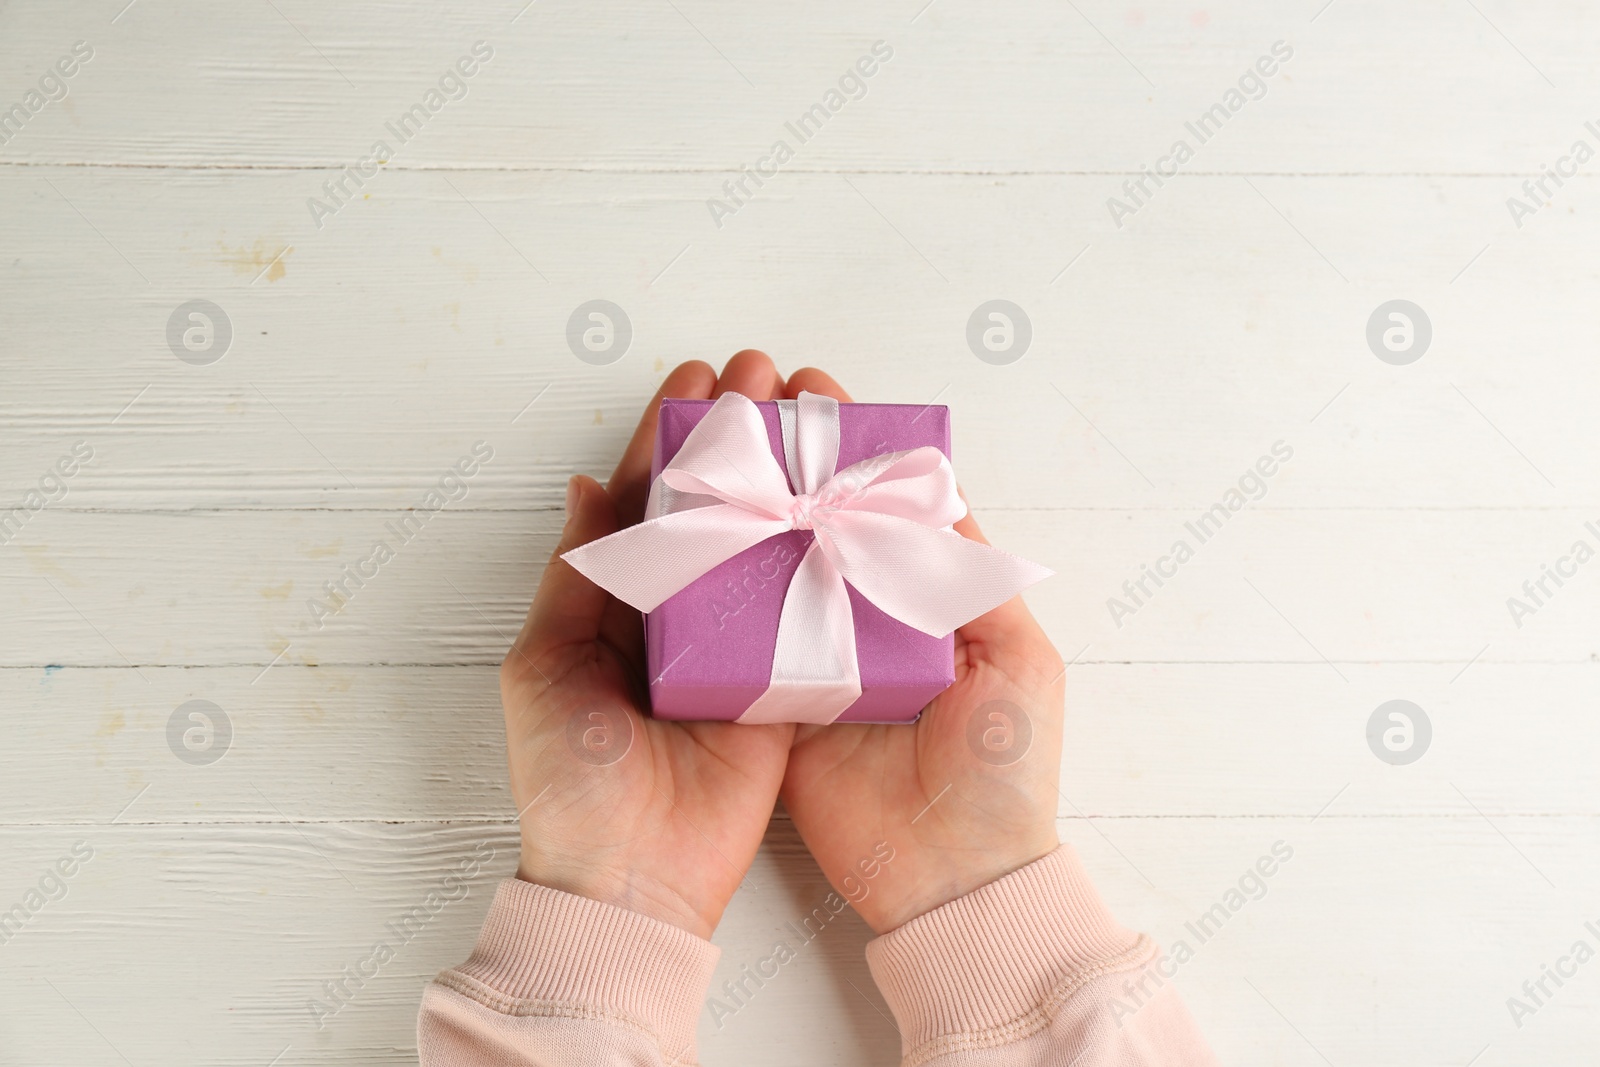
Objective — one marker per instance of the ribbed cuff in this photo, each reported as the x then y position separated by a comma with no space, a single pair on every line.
990,968
542,947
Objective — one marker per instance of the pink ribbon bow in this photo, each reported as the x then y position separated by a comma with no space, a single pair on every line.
882,525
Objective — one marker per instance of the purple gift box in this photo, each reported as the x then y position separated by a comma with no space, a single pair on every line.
710,646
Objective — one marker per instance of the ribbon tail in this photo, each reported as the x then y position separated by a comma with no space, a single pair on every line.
932,580
815,673
647,563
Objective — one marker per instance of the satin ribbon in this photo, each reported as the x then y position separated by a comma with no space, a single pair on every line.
882,525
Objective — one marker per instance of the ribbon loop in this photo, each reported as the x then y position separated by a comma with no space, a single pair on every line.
882,525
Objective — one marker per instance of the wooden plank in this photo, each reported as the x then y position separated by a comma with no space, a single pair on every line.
640,86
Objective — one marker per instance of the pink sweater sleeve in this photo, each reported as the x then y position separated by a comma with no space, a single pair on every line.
1032,969
559,980
1028,970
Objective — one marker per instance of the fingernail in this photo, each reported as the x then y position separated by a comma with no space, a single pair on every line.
572,496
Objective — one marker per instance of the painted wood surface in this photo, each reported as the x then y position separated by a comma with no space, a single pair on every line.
377,338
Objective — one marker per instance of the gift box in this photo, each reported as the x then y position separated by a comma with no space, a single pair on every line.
710,646
797,561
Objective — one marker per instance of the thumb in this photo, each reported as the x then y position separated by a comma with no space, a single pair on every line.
568,607
1007,627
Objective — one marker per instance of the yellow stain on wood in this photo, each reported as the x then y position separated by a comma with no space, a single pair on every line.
254,260
468,271
278,592
599,420
323,551
43,564
112,725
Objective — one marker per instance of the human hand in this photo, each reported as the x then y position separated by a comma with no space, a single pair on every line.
957,813
661,818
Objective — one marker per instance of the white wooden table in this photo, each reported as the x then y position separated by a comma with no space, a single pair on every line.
375,340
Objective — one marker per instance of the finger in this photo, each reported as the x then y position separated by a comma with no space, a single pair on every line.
752,373
813,380
630,482
568,607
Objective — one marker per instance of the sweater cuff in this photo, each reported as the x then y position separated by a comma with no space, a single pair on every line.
545,952
992,967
